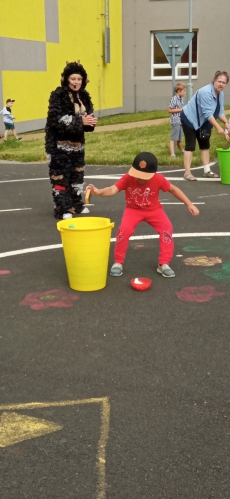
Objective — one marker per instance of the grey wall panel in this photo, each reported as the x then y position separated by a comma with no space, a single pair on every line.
30,126
22,55
108,112
27,126
129,54
52,21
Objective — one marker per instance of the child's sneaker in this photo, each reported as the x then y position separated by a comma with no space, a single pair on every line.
165,270
85,210
67,215
116,270
18,138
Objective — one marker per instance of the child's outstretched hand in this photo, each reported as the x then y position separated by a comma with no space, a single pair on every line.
93,190
193,210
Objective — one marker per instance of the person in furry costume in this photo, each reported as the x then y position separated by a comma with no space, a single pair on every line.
70,115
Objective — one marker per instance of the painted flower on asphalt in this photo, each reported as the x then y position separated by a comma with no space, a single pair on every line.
198,293
203,261
53,298
220,275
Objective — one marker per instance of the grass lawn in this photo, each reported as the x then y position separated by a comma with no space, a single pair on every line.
120,148
115,148
130,118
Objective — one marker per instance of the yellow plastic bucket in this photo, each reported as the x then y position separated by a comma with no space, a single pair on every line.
86,245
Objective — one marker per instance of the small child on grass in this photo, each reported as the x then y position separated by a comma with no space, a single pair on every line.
175,109
142,185
8,120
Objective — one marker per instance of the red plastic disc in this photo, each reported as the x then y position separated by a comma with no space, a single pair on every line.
141,283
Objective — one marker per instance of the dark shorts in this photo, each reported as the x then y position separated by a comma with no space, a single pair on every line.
191,135
9,127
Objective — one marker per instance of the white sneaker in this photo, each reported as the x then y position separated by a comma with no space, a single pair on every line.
67,215
85,210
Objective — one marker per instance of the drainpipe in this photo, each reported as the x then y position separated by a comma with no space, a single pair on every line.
190,84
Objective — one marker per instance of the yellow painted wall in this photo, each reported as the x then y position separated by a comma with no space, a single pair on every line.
81,32
23,19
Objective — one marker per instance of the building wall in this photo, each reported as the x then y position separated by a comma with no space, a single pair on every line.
140,17
37,37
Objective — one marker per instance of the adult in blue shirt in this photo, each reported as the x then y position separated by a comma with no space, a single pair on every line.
202,112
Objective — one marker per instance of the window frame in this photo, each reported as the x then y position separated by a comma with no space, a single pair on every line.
167,65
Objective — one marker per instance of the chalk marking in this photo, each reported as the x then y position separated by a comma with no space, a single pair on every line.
113,239
15,428
16,209
104,431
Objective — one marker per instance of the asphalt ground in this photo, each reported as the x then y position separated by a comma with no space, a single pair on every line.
122,394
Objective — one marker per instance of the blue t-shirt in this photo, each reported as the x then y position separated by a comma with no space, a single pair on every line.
206,125
209,105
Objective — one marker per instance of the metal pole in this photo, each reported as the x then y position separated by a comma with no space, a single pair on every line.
190,84
173,68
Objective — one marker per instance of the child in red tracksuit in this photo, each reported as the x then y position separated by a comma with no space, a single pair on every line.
141,185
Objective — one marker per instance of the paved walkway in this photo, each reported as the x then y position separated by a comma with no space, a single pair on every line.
106,128
111,128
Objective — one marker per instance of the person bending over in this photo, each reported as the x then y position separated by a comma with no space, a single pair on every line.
142,185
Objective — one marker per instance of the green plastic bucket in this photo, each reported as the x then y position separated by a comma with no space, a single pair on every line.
224,165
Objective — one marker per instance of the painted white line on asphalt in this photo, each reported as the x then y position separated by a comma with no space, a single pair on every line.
213,196
30,250
193,168
182,204
205,179
189,234
23,180
106,177
111,177
17,209
113,239
102,177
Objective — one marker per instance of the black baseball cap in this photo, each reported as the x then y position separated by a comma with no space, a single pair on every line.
144,166
10,100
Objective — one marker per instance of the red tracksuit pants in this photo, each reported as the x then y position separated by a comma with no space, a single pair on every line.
157,219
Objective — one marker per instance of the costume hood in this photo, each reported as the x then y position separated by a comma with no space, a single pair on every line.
74,68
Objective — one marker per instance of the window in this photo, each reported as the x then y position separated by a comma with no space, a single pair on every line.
161,69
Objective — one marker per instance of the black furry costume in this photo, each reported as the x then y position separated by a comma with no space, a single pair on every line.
64,142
